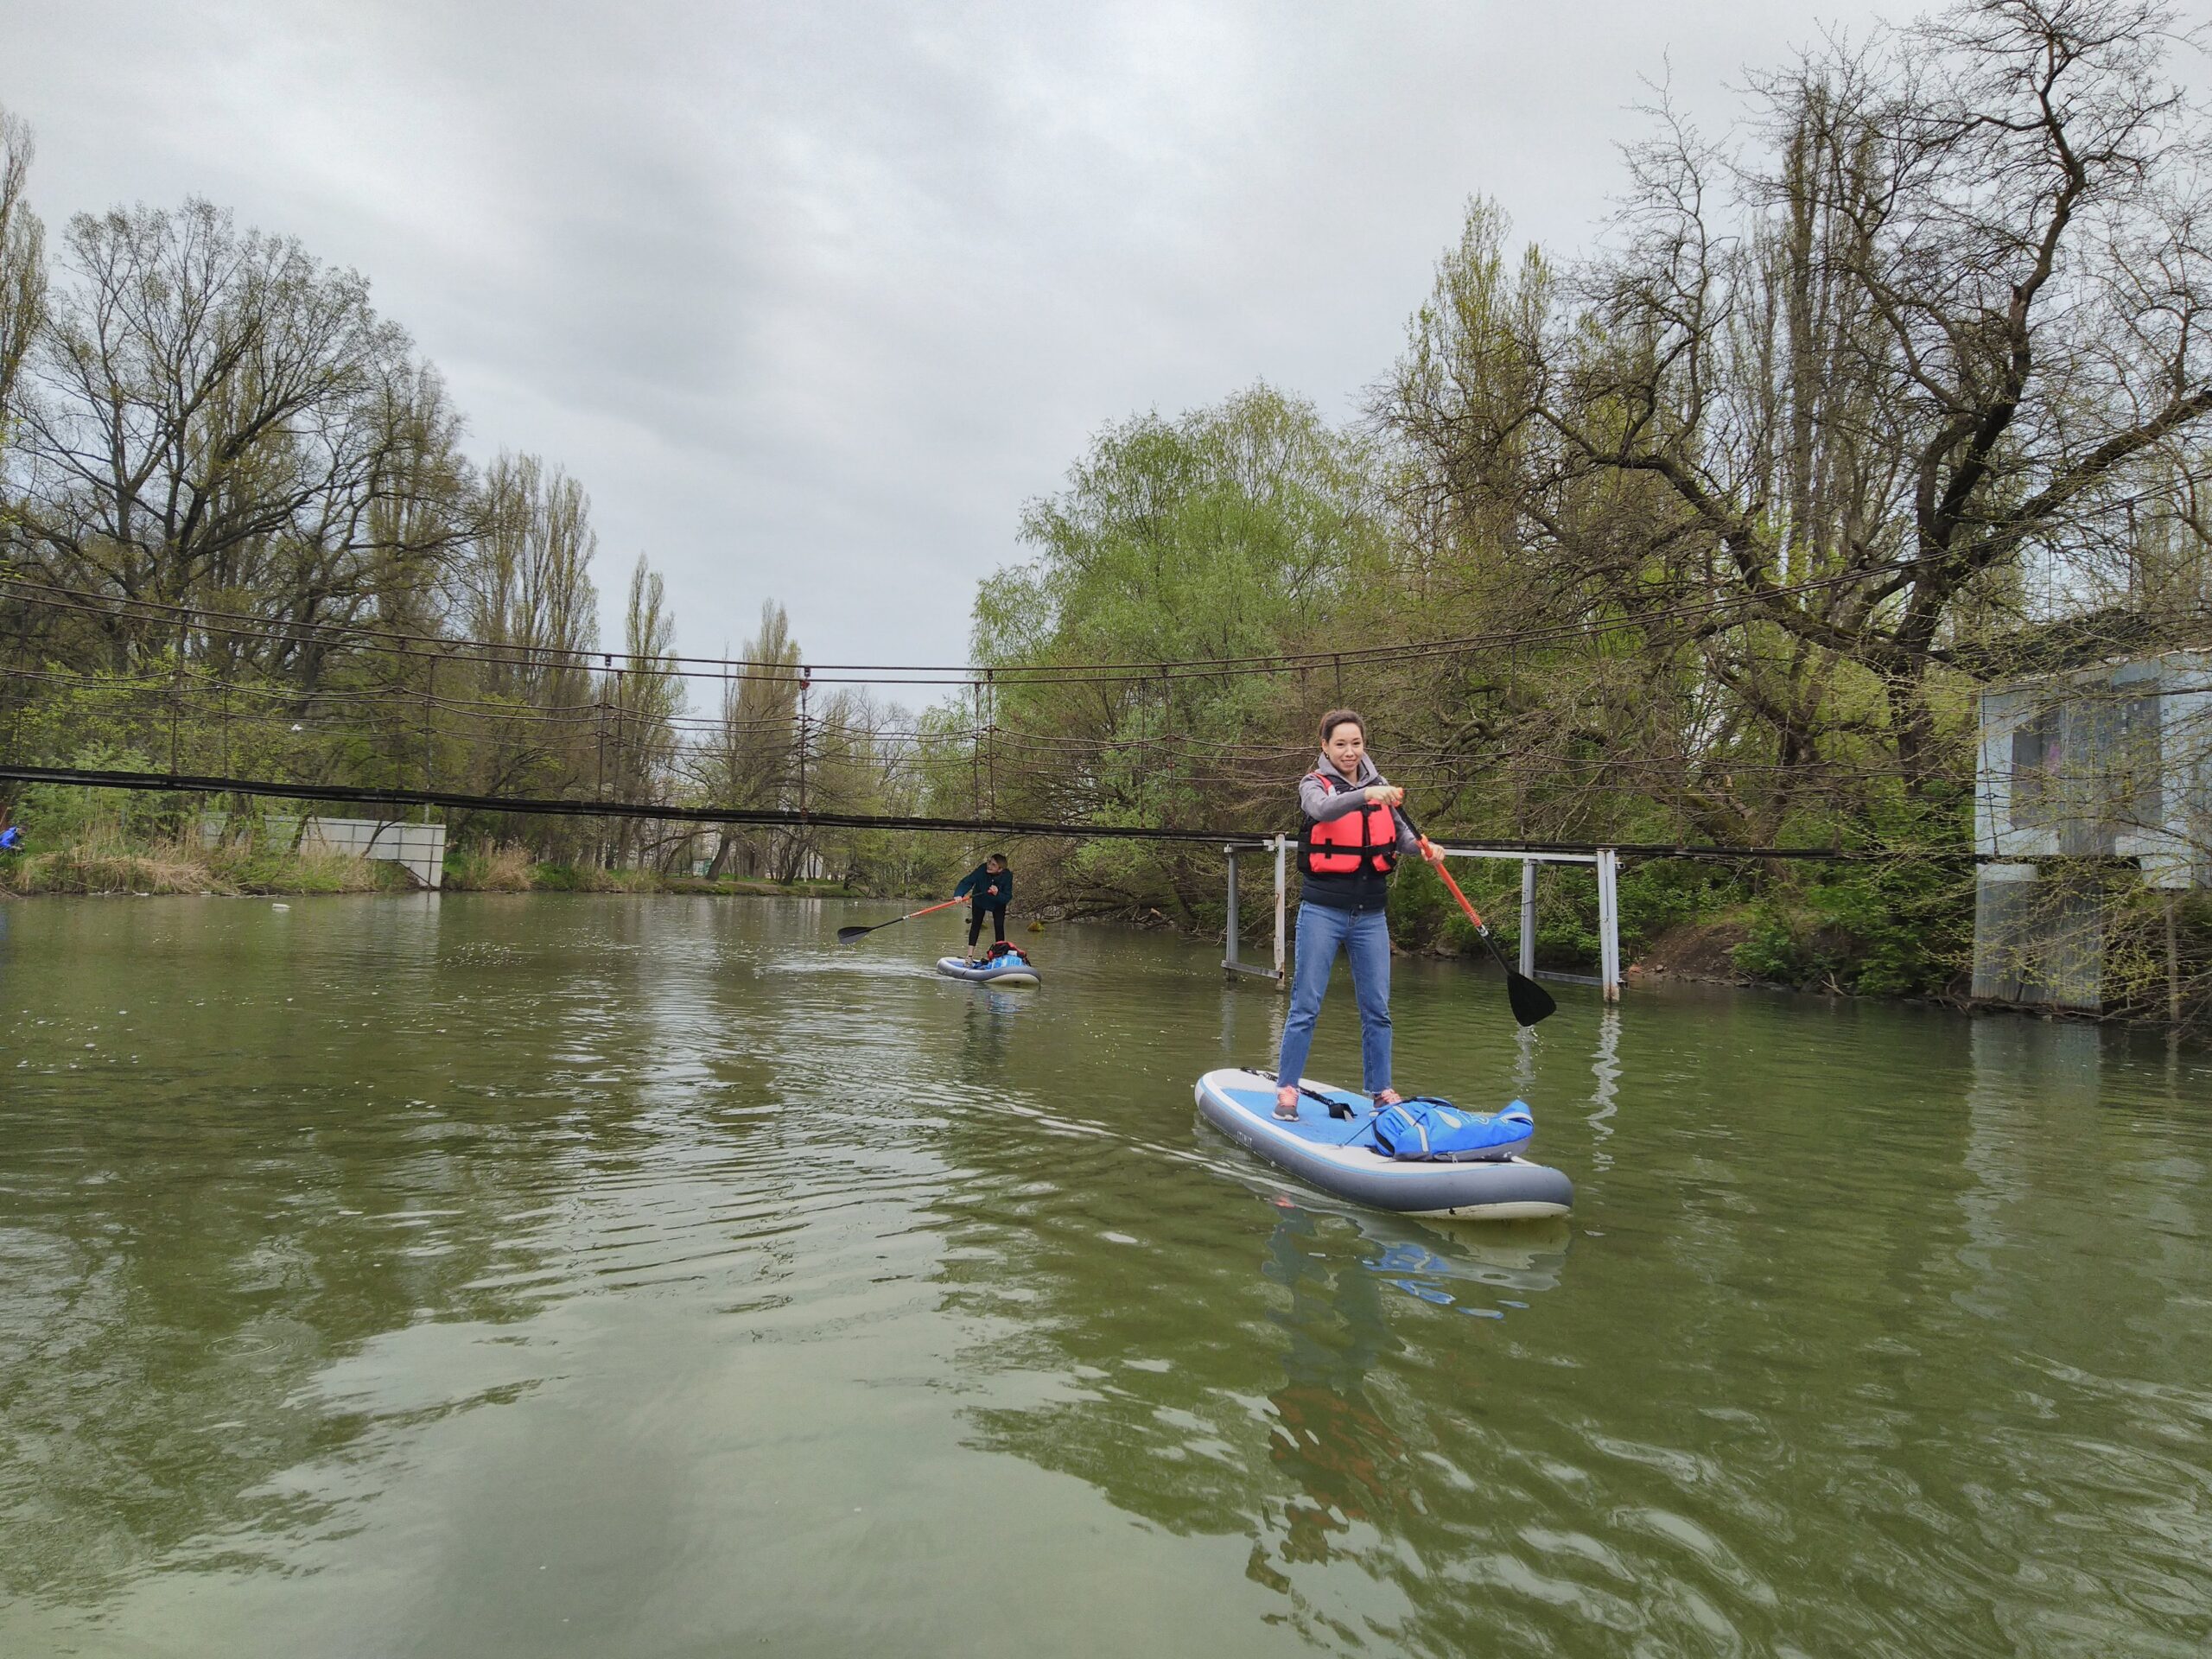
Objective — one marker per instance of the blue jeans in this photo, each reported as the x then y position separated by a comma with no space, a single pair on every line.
1364,936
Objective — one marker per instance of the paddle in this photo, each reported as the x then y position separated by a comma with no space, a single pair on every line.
847,935
1531,1001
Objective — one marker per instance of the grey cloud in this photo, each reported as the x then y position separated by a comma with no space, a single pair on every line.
812,297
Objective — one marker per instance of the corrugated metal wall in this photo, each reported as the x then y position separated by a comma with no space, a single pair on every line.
2038,938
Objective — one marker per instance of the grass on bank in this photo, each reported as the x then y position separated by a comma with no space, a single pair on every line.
507,866
110,864
105,860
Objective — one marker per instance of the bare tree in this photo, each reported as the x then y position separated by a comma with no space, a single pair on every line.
1923,352
208,414
424,508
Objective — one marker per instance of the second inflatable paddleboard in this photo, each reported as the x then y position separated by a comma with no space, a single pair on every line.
989,972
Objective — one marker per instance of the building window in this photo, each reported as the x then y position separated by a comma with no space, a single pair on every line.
2036,753
2139,796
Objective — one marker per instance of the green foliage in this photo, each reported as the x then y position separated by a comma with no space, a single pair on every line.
1230,531
1216,535
1655,895
268,870
1901,927
55,815
1772,950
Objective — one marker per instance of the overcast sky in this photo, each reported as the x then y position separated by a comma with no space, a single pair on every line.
813,296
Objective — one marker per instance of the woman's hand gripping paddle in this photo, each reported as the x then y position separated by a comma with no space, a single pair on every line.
1531,1001
847,935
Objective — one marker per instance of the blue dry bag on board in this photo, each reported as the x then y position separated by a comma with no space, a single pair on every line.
1425,1128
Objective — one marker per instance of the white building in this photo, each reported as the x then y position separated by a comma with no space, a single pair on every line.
418,848
2112,760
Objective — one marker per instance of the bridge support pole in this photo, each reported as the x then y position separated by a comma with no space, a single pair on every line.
1609,922
1282,956
1528,917
1605,864
1231,962
429,728
1230,958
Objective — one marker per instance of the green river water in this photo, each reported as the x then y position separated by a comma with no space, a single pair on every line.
550,1275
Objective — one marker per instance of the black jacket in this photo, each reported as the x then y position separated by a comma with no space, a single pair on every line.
973,884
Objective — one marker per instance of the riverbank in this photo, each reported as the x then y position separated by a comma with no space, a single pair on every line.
111,866
1899,929
510,868
107,866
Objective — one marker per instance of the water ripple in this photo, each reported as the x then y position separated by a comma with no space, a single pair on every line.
660,1266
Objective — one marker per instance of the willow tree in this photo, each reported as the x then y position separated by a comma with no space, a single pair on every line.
1234,531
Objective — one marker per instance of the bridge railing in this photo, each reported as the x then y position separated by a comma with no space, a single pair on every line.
1232,962
1604,863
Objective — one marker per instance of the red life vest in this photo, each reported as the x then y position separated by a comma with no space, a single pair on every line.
1367,839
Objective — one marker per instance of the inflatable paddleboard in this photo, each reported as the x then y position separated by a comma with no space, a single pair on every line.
989,973
1339,1155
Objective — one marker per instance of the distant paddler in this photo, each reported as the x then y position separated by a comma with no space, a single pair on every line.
988,888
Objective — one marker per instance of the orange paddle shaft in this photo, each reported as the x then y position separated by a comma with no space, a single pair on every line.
1437,863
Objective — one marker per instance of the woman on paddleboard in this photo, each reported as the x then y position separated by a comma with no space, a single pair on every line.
1353,834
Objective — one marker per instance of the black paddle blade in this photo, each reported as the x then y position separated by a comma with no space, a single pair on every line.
1531,1001
847,935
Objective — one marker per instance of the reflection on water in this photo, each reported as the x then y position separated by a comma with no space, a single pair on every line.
540,1275
1606,1068
1326,1437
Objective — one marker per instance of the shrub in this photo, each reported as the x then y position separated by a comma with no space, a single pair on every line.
500,867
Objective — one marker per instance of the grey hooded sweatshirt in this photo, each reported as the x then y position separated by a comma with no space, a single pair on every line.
1364,889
